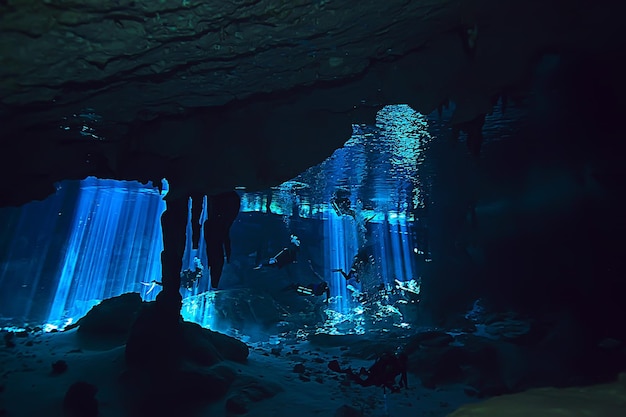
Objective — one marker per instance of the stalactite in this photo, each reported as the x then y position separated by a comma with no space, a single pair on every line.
197,203
173,224
474,130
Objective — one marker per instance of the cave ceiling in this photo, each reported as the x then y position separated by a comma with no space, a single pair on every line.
217,94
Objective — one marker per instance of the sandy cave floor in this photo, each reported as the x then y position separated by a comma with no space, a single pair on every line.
28,386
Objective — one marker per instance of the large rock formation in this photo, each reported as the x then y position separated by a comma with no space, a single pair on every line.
216,94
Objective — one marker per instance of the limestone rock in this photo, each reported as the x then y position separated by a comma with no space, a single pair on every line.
113,316
212,95
80,400
250,392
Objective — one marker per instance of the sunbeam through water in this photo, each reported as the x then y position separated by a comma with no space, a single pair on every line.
106,239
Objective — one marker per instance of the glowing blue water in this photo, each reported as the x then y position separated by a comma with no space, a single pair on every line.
115,245
379,172
29,243
200,309
341,247
91,240
103,238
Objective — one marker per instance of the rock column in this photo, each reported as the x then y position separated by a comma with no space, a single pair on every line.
173,224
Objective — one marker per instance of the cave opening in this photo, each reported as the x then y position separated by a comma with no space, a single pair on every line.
100,238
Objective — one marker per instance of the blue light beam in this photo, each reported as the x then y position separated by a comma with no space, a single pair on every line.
115,245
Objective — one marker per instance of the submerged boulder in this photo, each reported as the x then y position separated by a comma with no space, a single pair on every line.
178,358
155,340
248,393
113,316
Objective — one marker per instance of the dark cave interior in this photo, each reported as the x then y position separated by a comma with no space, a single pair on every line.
515,231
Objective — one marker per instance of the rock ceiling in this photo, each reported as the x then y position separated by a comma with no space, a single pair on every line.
215,94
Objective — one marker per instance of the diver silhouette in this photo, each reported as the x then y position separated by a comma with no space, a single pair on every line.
382,373
340,202
288,255
222,210
361,260
313,288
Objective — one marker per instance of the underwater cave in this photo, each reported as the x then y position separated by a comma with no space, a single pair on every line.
247,207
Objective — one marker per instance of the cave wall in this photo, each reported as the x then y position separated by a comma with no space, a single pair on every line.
536,224
216,94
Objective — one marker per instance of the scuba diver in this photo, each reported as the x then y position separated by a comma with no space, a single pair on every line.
358,263
352,275
353,283
340,202
286,256
382,373
188,277
314,289
362,259
152,285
